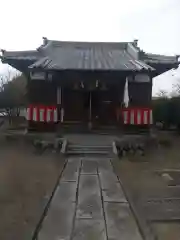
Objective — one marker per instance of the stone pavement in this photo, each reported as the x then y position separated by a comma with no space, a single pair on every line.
89,204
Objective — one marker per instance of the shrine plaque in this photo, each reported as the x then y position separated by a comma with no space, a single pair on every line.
141,78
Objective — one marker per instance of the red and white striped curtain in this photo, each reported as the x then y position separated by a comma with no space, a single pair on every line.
42,113
137,116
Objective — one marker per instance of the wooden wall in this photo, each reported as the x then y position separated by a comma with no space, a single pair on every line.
140,94
42,92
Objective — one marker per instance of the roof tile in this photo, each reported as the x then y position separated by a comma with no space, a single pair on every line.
88,56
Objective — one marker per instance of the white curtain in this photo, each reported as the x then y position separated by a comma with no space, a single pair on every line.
126,94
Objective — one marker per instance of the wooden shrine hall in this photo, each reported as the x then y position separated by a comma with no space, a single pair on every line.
86,83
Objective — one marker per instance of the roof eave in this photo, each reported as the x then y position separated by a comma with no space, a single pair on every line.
19,64
39,68
162,68
19,60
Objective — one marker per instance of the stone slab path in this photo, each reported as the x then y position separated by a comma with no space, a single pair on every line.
89,204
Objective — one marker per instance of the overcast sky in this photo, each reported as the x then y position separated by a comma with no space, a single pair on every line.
156,23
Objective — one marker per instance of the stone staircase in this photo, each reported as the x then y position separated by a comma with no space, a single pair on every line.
79,149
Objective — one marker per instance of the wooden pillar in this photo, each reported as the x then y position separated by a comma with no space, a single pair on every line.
90,111
60,105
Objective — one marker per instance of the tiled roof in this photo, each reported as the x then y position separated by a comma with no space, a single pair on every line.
88,56
21,55
125,56
155,58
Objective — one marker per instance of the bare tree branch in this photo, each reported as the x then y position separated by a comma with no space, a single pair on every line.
162,94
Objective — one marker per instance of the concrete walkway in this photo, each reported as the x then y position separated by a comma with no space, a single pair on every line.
89,204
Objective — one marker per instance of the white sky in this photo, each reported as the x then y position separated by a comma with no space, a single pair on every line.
156,23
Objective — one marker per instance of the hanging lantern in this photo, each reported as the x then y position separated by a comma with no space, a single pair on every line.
82,85
97,83
50,77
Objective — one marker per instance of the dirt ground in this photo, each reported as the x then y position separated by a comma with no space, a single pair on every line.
26,182
152,184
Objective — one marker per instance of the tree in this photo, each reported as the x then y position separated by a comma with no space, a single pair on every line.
176,88
12,94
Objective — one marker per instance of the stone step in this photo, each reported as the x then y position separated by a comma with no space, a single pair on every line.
85,148
87,152
89,149
89,146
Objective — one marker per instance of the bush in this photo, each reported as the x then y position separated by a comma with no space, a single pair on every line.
12,95
167,111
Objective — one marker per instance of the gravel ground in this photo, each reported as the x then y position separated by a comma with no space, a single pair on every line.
26,182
